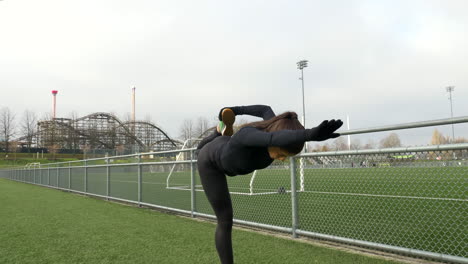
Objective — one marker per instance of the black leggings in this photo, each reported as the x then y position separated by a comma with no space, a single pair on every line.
216,189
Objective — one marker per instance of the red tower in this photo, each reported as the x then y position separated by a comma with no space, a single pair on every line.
54,93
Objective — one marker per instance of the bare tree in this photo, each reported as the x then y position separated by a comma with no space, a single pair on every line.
7,126
325,147
29,127
438,138
186,130
73,139
201,126
148,133
54,149
94,136
370,144
120,149
340,144
356,144
391,141
460,140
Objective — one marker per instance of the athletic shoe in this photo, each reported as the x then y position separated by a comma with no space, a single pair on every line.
225,126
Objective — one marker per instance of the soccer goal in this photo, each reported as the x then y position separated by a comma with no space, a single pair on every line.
179,174
275,179
32,165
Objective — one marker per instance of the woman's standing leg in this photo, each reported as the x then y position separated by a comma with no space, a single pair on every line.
216,189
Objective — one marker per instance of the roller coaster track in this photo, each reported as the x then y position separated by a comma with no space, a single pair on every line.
106,125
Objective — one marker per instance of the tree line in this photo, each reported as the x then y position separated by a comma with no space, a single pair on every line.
11,128
390,141
25,127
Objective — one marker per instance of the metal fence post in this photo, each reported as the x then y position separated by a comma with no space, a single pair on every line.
58,178
48,175
295,216
86,176
69,175
34,175
107,179
192,184
139,180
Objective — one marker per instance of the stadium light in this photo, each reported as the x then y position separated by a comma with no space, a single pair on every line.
450,89
301,65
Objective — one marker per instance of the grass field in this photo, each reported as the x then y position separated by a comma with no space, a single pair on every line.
421,208
40,225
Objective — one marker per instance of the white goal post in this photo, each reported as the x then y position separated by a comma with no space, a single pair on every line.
179,157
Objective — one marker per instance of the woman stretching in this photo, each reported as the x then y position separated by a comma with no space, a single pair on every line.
253,147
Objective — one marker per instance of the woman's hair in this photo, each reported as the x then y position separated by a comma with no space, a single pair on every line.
285,121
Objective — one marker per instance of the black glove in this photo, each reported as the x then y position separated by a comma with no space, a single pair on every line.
324,131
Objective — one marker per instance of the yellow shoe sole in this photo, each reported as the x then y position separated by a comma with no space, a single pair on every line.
228,117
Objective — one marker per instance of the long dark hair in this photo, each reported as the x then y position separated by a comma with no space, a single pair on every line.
285,121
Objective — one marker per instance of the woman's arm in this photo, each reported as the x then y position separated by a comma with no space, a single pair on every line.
262,111
253,137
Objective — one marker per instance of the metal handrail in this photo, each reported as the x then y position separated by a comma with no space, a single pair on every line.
445,121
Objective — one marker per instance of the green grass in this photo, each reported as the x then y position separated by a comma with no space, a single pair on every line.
422,208
39,225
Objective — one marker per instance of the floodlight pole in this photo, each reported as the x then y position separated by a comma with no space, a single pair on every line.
450,89
303,100
301,65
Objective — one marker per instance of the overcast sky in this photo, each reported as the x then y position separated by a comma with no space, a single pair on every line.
380,62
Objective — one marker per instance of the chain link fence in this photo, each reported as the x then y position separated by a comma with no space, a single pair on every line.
408,200
414,199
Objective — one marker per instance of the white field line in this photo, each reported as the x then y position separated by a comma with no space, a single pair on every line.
187,188
331,193
391,196
156,183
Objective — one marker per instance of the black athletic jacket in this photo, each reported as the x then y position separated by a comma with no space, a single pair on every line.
247,150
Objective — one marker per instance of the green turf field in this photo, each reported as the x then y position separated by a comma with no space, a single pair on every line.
40,225
421,208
